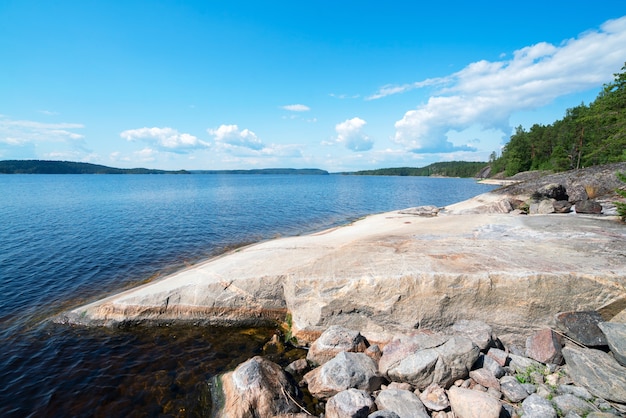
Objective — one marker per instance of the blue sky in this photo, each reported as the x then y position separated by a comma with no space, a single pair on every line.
337,85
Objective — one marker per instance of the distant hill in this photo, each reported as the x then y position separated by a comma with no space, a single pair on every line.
308,171
442,169
69,167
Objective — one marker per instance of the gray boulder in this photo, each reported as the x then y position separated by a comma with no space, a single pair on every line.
598,372
467,403
351,403
333,341
552,191
615,334
404,403
569,403
344,371
582,327
577,391
562,206
428,359
542,207
257,387
588,206
478,332
427,211
512,389
537,407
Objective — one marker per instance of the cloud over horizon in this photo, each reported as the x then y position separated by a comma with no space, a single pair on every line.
486,93
296,108
350,135
166,139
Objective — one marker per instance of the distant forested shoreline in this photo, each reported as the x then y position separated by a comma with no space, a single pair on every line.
442,169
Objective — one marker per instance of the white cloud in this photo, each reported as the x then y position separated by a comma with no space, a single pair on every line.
297,108
166,139
231,136
487,93
146,154
20,132
349,134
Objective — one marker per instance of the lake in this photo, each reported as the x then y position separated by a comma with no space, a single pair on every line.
68,239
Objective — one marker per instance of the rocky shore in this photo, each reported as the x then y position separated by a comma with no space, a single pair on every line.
463,372
538,261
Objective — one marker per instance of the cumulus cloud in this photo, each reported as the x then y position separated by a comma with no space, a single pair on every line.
487,93
349,134
166,139
231,135
297,108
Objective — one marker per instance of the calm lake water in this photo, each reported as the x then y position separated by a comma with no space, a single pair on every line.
67,239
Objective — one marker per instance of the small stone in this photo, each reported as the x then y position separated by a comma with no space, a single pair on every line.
582,327
510,411
485,378
537,378
374,352
566,403
543,391
351,403
434,398
383,414
552,379
577,391
537,407
512,389
399,385
529,387
479,388
402,402
466,384
520,363
468,403
562,206
615,334
490,364
298,367
544,346
500,356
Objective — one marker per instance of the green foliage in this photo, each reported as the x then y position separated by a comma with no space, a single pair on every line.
621,207
587,135
69,167
444,169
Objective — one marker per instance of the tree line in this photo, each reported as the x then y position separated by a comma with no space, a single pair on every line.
443,169
587,135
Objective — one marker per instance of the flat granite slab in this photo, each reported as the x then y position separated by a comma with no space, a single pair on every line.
393,271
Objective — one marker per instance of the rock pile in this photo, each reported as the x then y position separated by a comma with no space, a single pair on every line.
462,372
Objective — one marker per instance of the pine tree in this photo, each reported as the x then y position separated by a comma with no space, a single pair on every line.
621,207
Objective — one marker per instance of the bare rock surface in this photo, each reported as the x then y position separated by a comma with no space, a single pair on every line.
391,272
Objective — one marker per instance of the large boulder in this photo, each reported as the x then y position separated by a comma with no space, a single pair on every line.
479,332
427,359
351,403
333,341
257,387
598,372
344,371
588,206
552,191
403,402
582,327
